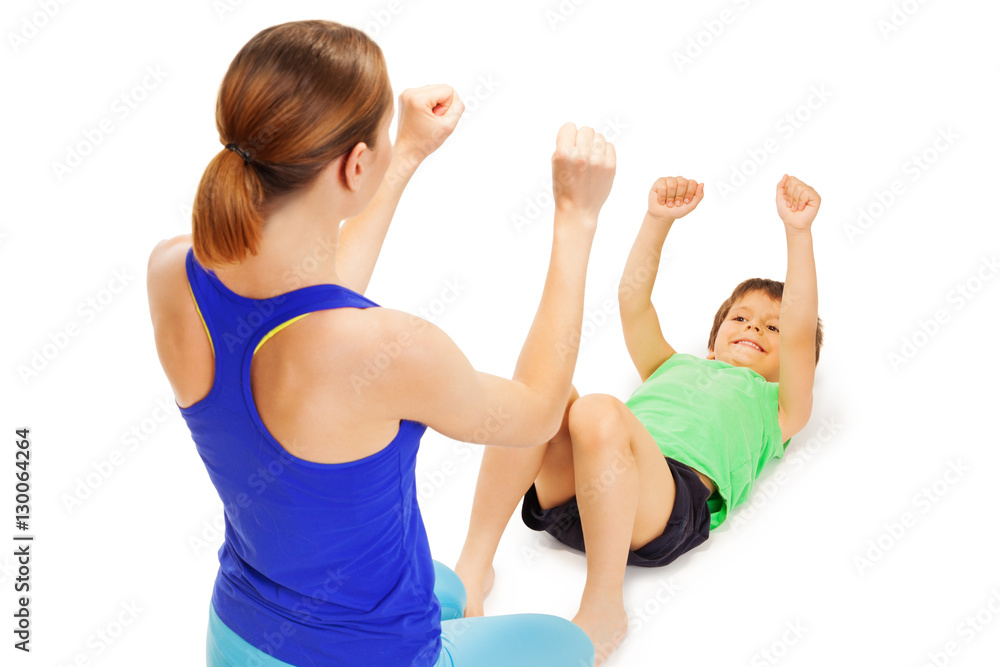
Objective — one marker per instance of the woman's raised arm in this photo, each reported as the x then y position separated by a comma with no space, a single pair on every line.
432,382
427,116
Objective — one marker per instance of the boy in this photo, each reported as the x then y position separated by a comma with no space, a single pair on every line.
644,481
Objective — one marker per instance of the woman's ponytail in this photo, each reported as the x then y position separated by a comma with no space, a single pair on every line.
225,219
296,97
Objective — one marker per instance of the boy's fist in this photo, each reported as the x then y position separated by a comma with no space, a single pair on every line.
797,203
674,197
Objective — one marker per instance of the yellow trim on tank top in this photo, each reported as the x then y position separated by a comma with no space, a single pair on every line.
202,317
276,330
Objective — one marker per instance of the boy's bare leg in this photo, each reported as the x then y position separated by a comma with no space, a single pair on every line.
625,492
505,474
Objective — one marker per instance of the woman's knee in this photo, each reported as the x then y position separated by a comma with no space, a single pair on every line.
518,639
450,592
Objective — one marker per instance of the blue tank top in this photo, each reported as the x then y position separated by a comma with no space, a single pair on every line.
322,564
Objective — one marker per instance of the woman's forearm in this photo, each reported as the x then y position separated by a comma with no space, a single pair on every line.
636,286
549,354
362,236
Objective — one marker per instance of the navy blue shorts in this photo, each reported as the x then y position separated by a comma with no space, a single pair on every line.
686,528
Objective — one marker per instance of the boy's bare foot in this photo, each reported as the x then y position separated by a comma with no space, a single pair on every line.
477,587
606,626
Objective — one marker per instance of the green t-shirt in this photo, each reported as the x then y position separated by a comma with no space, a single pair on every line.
719,419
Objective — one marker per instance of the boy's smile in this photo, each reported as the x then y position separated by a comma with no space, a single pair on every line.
749,336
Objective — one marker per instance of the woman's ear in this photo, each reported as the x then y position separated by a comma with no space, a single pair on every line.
349,166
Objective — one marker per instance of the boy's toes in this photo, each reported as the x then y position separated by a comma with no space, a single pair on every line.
606,628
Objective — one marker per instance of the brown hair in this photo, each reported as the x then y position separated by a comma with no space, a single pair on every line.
771,288
297,96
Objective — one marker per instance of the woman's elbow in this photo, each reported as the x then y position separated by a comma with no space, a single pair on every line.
530,427
552,415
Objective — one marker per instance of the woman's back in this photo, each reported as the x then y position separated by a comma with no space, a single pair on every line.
343,425
321,561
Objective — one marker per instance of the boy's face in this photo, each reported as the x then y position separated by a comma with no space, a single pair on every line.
755,318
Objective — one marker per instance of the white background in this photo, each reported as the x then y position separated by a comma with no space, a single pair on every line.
815,549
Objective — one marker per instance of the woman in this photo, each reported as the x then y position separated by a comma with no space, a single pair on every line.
311,438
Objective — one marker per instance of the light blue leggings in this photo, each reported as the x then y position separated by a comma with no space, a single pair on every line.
521,640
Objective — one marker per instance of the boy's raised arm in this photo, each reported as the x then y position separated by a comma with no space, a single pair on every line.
797,204
640,325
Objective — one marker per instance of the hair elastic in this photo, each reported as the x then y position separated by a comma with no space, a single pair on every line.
244,154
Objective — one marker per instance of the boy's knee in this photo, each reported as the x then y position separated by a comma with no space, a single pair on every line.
595,419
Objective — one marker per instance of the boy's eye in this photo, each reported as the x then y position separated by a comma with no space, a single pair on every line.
740,317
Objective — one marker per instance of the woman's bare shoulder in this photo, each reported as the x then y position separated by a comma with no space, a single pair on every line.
166,259
375,334
165,272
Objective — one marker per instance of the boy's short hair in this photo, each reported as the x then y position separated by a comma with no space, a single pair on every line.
773,289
